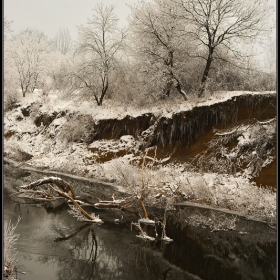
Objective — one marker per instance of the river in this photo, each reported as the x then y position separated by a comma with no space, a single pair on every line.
54,245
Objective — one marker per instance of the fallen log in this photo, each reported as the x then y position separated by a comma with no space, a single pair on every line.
115,203
84,213
66,191
64,186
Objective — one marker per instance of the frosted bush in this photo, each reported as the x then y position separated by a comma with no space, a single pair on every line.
10,240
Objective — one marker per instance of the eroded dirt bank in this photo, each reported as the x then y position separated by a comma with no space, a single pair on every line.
185,127
110,148
179,135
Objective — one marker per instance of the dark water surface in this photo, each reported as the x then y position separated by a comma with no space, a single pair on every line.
54,245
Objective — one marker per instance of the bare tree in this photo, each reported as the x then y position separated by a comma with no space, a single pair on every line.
156,37
28,55
271,55
223,23
7,27
96,51
62,41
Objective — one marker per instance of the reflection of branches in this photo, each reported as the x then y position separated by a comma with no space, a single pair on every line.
94,246
93,249
77,231
139,253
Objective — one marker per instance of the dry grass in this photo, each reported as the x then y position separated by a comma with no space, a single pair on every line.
10,240
168,185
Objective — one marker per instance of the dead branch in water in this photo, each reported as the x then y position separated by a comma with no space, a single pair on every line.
64,186
86,214
115,203
141,200
143,234
30,191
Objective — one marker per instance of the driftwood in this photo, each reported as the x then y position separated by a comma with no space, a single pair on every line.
84,213
233,131
115,203
66,191
65,187
143,234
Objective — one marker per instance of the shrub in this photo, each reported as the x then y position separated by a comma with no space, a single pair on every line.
10,239
78,129
10,101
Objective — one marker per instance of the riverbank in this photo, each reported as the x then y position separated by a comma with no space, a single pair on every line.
95,145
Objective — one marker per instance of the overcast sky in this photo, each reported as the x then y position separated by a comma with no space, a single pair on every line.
51,15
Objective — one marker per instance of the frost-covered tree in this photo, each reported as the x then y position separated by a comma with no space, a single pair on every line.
28,53
59,70
157,40
270,58
7,27
62,41
96,52
9,91
213,24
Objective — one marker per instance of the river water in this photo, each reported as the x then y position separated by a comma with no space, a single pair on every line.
54,245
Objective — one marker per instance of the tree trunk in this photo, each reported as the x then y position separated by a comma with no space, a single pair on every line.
145,213
182,92
23,91
84,213
167,88
206,72
104,90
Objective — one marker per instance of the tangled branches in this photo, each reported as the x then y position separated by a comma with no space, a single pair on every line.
247,147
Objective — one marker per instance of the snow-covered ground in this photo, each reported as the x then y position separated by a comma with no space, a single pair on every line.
40,147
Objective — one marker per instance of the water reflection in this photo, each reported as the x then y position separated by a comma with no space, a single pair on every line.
247,253
54,245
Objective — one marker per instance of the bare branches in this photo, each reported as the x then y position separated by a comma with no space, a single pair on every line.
156,36
97,46
31,191
216,222
62,41
223,22
9,254
28,54
7,27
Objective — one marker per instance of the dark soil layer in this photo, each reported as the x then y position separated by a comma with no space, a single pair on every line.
186,127
187,133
